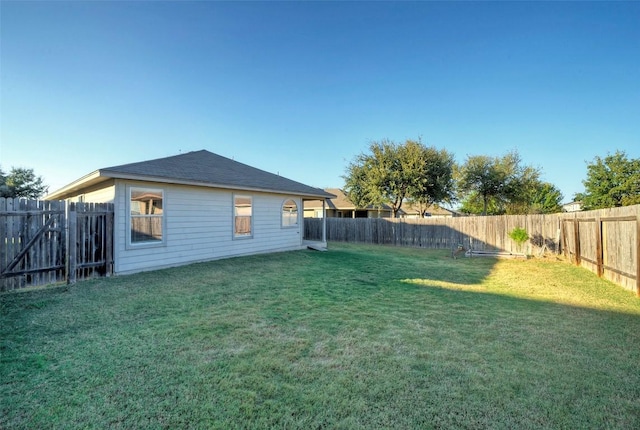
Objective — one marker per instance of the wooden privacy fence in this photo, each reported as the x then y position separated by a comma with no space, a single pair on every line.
43,242
490,233
606,241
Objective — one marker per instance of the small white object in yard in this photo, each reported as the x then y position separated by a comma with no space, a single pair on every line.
317,247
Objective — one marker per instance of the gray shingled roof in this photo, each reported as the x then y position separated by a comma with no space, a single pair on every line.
206,168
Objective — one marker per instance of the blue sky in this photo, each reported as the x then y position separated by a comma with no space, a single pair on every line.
301,88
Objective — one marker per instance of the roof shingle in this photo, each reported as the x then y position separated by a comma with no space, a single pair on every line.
201,168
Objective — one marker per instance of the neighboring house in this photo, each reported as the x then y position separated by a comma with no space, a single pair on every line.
408,210
572,207
192,207
340,206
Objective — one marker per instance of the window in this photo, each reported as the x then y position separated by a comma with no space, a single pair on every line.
242,216
289,213
146,215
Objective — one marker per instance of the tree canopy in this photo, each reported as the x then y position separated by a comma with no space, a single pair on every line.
498,185
546,199
434,179
392,173
21,182
612,181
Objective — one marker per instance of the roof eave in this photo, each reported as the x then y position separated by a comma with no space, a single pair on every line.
102,175
67,191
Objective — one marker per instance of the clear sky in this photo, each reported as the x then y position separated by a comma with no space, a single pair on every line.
301,88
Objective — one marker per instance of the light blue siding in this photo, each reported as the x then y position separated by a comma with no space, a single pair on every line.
199,227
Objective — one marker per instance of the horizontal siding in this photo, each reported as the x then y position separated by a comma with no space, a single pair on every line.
199,226
97,195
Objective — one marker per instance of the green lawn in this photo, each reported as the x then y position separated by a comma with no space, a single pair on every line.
357,337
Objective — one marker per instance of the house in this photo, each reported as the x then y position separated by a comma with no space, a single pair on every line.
572,207
193,207
340,206
408,210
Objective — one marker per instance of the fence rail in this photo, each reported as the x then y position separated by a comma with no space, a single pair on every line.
606,241
44,242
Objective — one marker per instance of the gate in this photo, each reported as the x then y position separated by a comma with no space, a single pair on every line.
44,242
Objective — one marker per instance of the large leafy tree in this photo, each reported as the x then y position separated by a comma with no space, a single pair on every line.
492,185
474,203
539,198
434,182
546,199
371,178
392,173
21,182
612,181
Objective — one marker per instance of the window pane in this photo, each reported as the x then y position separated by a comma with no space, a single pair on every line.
289,213
146,228
243,225
242,215
146,215
146,202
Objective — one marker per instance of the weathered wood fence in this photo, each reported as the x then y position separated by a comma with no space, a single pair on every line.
605,241
44,242
490,233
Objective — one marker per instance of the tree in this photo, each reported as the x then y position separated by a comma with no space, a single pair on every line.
537,198
491,185
612,181
436,183
370,177
21,182
474,203
546,199
391,173
482,181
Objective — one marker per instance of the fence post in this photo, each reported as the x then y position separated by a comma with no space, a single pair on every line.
563,235
324,221
72,248
638,255
576,236
599,248
109,242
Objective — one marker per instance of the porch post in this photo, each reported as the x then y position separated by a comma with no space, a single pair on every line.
324,221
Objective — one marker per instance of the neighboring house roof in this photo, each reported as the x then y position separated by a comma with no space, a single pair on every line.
434,210
572,207
201,168
340,201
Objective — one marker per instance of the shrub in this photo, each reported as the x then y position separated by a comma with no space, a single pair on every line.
519,236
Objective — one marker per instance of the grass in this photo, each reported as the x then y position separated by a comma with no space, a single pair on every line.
358,337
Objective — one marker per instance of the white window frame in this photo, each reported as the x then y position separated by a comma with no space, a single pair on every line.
147,243
283,217
234,215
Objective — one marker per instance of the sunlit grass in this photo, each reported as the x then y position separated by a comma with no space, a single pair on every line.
549,279
358,337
